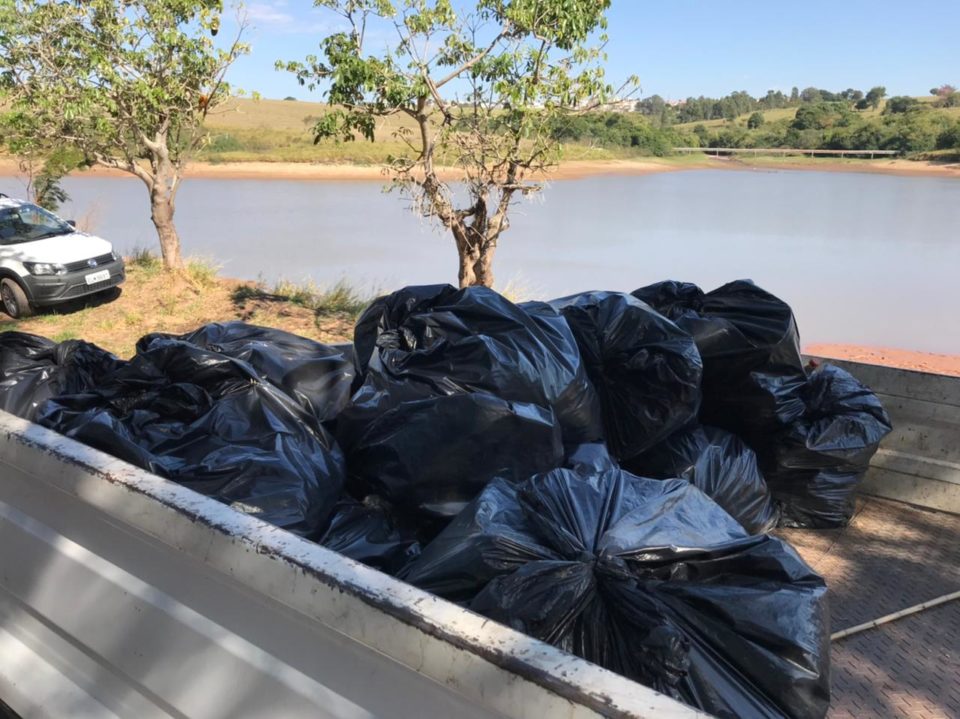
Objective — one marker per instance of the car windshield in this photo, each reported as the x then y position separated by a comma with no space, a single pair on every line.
27,222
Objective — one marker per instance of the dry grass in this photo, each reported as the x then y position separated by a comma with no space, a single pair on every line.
155,301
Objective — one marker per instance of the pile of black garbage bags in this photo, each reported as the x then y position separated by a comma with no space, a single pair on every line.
599,471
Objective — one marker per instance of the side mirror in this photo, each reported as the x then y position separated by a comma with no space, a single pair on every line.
72,223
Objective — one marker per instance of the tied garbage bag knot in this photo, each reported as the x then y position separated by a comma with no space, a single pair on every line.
649,578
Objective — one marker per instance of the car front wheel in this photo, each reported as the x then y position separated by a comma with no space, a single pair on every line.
14,299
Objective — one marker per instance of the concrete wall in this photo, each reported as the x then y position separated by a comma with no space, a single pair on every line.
919,462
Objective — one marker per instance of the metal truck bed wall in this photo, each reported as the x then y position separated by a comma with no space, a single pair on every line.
919,462
123,594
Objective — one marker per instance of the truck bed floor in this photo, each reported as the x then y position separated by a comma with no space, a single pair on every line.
891,556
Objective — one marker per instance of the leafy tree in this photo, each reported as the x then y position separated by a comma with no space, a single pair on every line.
951,100
943,90
795,95
900,103
128,84
522,65
703,135
811,94
821,115
949,139
873,98
755,121
44,176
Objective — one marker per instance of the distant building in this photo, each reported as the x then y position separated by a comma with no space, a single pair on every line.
621,106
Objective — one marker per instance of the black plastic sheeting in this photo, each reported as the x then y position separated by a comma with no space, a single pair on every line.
721,466
207,421
34,369
646,370
318,376
649,578
819,460
748,340
367,533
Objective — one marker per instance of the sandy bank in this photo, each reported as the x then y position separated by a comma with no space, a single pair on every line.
890,357
572,170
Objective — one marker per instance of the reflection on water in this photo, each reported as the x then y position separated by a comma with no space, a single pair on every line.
868,259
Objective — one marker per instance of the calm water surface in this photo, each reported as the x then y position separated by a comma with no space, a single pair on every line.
869,259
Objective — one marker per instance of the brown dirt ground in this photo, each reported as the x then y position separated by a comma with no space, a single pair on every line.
568,170
152,301
890,357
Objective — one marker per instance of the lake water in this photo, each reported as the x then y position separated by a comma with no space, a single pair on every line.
867,259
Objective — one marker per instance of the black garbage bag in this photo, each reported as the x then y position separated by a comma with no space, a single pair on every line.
645,369
434,454
459,387
367,533
475,340
821,458
748,340
208,422
318,376
649,578
720,465
34,369
590,457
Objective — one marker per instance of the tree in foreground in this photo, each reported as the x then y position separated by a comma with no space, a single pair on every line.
486,93
126,83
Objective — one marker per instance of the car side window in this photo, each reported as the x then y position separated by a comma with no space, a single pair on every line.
8,225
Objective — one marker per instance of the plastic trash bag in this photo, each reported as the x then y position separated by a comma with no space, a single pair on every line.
720,465
646,370
748,340
649,578
459,387
474,340
207,421
432,455
34,369
589,458
367,533
821,458
318,376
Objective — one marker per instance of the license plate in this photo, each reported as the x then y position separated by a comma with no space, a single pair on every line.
96,277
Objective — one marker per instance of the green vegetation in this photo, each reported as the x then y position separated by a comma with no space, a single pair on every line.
525,66
342,299
127,85
278,131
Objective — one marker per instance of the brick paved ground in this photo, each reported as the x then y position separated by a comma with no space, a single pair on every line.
892,556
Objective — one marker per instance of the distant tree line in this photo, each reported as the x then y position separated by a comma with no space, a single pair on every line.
729,107
822,120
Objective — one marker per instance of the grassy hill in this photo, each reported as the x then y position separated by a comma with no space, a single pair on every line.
281,131
787,113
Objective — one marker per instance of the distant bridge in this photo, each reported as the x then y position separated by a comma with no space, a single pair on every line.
784,151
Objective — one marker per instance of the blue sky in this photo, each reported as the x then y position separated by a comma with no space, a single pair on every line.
680,48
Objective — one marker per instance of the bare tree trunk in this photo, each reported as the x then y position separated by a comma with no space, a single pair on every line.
483,265
162,196
161,212
467,253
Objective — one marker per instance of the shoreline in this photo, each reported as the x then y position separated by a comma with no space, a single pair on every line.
571,170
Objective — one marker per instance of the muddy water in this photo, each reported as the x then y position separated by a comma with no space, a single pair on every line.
868,259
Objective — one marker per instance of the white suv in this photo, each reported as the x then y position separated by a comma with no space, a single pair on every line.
44,260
